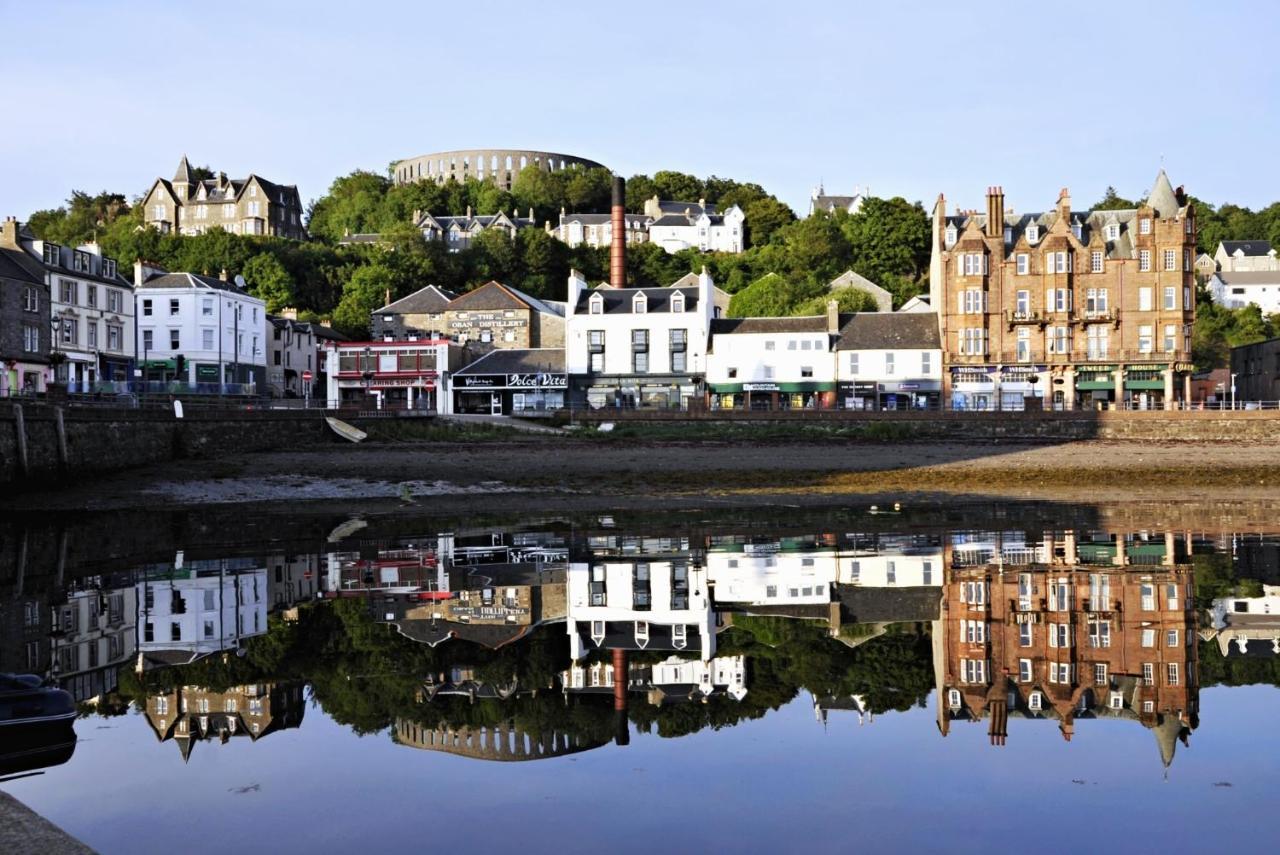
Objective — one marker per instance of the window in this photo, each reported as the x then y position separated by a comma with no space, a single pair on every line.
1148,592
146,340
206,339
1148,673
951,235
973,301
1059,635
639,304
91,296
1095,301
1148,638
679,345
973,670
67,291
92,329
1058,340
1144,226
1171,638
953,698
1060,672
175,339
1170,260
1024,264
1024,671
640,351
1057,300
677,303
1095,262
1170,338
1144,299
1033,233
971,264
206,307
146,308
30,299
1100,673
973,593
1026,634
768,372
1060,595
1171,596
1145,336
1023,345
1144,260
1111,231
1171,673
926,362
1023,304
1099,632
888,363
853,363
173,306
1170,298
974,631
70,331
973,341
597,304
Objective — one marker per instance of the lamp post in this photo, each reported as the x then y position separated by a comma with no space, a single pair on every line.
367,373
1233,390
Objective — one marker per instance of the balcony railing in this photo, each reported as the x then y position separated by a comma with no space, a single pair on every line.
1015,318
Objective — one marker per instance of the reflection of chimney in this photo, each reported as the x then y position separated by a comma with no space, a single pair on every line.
622,734
618,247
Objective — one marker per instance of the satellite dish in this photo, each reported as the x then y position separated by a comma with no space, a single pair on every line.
240,283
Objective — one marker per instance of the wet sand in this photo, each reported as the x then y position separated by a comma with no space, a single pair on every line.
583,473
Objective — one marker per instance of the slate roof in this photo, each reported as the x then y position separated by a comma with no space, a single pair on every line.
14,265
633,221
494,295
749,326
1249,248
190,280
517,361
621,635
425,301
682,220
888,331
433,632
618,301
361,237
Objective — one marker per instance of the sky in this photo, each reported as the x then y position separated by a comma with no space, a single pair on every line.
905,98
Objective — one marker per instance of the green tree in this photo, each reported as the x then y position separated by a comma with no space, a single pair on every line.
269,281
817,249
847,300
771,295
1113,201
364,292
764,217
887,237
353,205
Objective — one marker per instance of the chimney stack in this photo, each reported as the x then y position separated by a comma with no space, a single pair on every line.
9,233
618,247
833,317
222,274
995,212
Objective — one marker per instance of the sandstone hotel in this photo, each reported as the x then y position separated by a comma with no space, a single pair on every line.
1066,309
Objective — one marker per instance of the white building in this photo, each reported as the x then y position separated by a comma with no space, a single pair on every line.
201,607
891,562
216,327
694,225
390,375
638,603
92,310
821,203
773,363
1240,256
1248,625
889,361
1235,290
596,230
672,677
770,574
627,347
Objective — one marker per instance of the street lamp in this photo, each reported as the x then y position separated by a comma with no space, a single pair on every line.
1233,390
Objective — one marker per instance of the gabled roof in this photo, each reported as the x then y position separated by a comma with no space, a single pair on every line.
889,331
16,264
1248,248
425,301
517,361
495,295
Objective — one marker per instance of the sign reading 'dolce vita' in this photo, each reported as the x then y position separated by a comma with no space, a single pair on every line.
536,380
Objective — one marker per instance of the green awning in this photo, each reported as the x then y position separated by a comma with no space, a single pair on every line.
1095,385
737,388
159,363
1156,385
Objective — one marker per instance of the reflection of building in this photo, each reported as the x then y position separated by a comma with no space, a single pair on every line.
823,706
506,742
672,680
787,571
639,594
200,607
1248,626
294,579
1070,631
95,634
191,714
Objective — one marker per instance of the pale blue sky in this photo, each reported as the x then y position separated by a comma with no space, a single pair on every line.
908,98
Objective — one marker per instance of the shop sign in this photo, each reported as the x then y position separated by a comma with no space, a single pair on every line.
759,387
860,386
530,381
389,383
908,387
479,381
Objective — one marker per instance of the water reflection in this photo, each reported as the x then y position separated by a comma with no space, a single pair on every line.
545,638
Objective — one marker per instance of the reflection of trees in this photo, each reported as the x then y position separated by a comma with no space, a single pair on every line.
365,675
1219,670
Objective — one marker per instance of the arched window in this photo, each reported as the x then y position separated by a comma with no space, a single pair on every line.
524,161
508,163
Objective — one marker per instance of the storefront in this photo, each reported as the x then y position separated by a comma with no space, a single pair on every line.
1020,382
529,382
859,395
1095,386
910,395
973,389
631,391
22,378
771,396
388,375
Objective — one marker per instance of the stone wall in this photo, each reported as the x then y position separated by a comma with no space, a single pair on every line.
102,440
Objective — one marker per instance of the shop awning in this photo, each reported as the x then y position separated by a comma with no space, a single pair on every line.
768,388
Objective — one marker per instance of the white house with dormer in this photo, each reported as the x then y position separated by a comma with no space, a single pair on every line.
694,225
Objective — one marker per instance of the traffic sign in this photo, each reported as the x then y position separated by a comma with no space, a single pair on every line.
306,375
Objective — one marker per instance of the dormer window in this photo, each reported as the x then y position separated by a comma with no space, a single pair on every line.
1144,226
597,304
951,236
639,304
1033,233
52,253
677,303
642,632
109,268
80,261
953,699
1008,234
1077,229
1112,231
1035,701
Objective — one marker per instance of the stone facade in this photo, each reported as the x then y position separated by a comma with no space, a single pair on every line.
1074,308
1256,372
504,317
24,319
249,206
484,164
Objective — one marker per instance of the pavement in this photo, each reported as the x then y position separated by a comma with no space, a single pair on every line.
25,832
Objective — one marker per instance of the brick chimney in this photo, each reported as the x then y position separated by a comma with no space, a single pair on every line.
222,274
618,247
1064,204
9,233
833,317
995,212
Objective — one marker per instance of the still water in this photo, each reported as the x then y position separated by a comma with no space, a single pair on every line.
879,678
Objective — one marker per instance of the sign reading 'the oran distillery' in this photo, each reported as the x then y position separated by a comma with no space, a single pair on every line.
533,380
